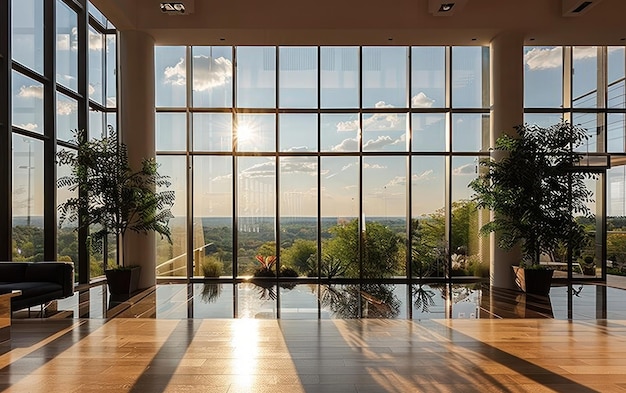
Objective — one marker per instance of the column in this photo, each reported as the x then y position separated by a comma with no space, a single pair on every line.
136,122
507,111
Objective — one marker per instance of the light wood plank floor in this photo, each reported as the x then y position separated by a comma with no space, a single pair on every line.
248,355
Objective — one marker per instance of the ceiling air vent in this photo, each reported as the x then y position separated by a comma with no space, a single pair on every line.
577,7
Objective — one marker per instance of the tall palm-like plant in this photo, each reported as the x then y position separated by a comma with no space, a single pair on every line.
111,196
535,189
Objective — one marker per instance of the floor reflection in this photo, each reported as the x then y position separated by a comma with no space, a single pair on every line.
296,300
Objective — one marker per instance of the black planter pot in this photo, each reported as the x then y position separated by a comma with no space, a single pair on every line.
533,281
123,281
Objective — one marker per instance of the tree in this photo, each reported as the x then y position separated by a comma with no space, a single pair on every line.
535,188
111,195
297,256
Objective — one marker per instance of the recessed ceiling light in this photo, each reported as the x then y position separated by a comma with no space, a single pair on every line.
531,39
474,39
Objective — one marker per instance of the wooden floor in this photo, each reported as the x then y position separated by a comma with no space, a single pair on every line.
249,355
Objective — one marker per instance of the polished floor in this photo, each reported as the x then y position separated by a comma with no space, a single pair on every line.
472,340
250,355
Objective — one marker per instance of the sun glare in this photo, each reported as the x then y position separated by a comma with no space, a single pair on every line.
244,133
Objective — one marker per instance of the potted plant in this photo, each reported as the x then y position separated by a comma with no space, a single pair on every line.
534,190
114,199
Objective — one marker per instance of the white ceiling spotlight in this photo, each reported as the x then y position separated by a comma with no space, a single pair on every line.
445,7
177,7
577,7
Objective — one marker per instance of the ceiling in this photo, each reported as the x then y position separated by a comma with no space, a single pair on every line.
368,22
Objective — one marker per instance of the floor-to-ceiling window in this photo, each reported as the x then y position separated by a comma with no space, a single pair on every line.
331,162
585,86
62,79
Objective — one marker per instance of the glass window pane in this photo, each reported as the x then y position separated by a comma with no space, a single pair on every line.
616,197
385,77
97,125
96,63
385,132
212,76
256,211
171,131
429,132
298,77
339,195
543,119
172,258
97,15
255,132
428,71
67,237
256,77
384,212
470,132
340,132
428,238
67,46
67,117
543,77
111,71
170,76
213,211
467,77
298,214
616,89
27,198
585,77
27,103
298,132
27,33
469,251
588,121
212,131
616,133
339,76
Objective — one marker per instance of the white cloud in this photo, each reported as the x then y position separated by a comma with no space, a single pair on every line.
421,100
65,108
298,149
547,58
95,41
351,125
426,175
378,143
373,166
350,144
543,58
397,181
112,101
227,177
29,126
176,75
67,42
298,166
208,72
265,169
91,89
31,91
467,169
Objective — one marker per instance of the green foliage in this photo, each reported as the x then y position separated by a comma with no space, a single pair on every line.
380,249
298,254
111,196
212,266
534,189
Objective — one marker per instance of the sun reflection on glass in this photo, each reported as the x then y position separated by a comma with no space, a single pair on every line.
245,339
245,132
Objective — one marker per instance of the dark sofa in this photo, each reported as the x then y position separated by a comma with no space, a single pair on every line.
40,282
